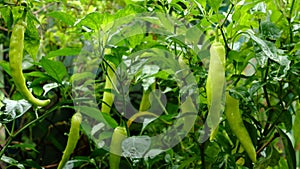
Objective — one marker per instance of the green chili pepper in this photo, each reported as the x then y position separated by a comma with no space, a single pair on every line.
15,62
118,136
215,86
73,138
235,121
108,97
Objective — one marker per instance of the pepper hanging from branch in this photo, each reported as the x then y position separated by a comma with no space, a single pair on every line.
16,48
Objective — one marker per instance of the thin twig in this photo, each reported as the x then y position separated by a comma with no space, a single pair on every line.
290,22
12,136
225,41
50,166
230,10
43,8
3,29
266,95
265,145
265,78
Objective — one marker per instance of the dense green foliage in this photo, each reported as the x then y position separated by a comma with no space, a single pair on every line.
159,53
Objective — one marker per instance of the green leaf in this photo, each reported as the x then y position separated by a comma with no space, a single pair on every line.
99,116
50,86
17,12
272,159
288,149
134,35
270,30
296,126
282,164
296,48
236,15
79,161
281,116
35,74
259,11
64,52
13,109
136,146
1,99
127,13
6,15
214,4
151,19
225,161
265,53
64,17
32,38
187,162
166,22
32,164
105,135
201,6
91,21
193,35
265,50
24,146
55,69
12,162
81,76
212,152
5,66
147,75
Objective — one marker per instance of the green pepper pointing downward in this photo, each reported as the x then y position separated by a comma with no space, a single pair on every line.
215,86
235,121
72,139
15,62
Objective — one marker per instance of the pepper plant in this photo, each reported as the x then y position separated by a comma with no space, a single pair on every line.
155,84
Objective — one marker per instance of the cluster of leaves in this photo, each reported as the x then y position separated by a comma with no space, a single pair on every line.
67,44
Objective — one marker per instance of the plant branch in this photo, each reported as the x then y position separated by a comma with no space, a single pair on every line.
11,137
3,29
221,28
225,41
266,95
43,8
273,125
202,149
199,6
290,22
266,144
265,78
224,21
291,10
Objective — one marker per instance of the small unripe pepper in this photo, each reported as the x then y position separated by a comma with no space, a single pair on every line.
73,138
118,136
